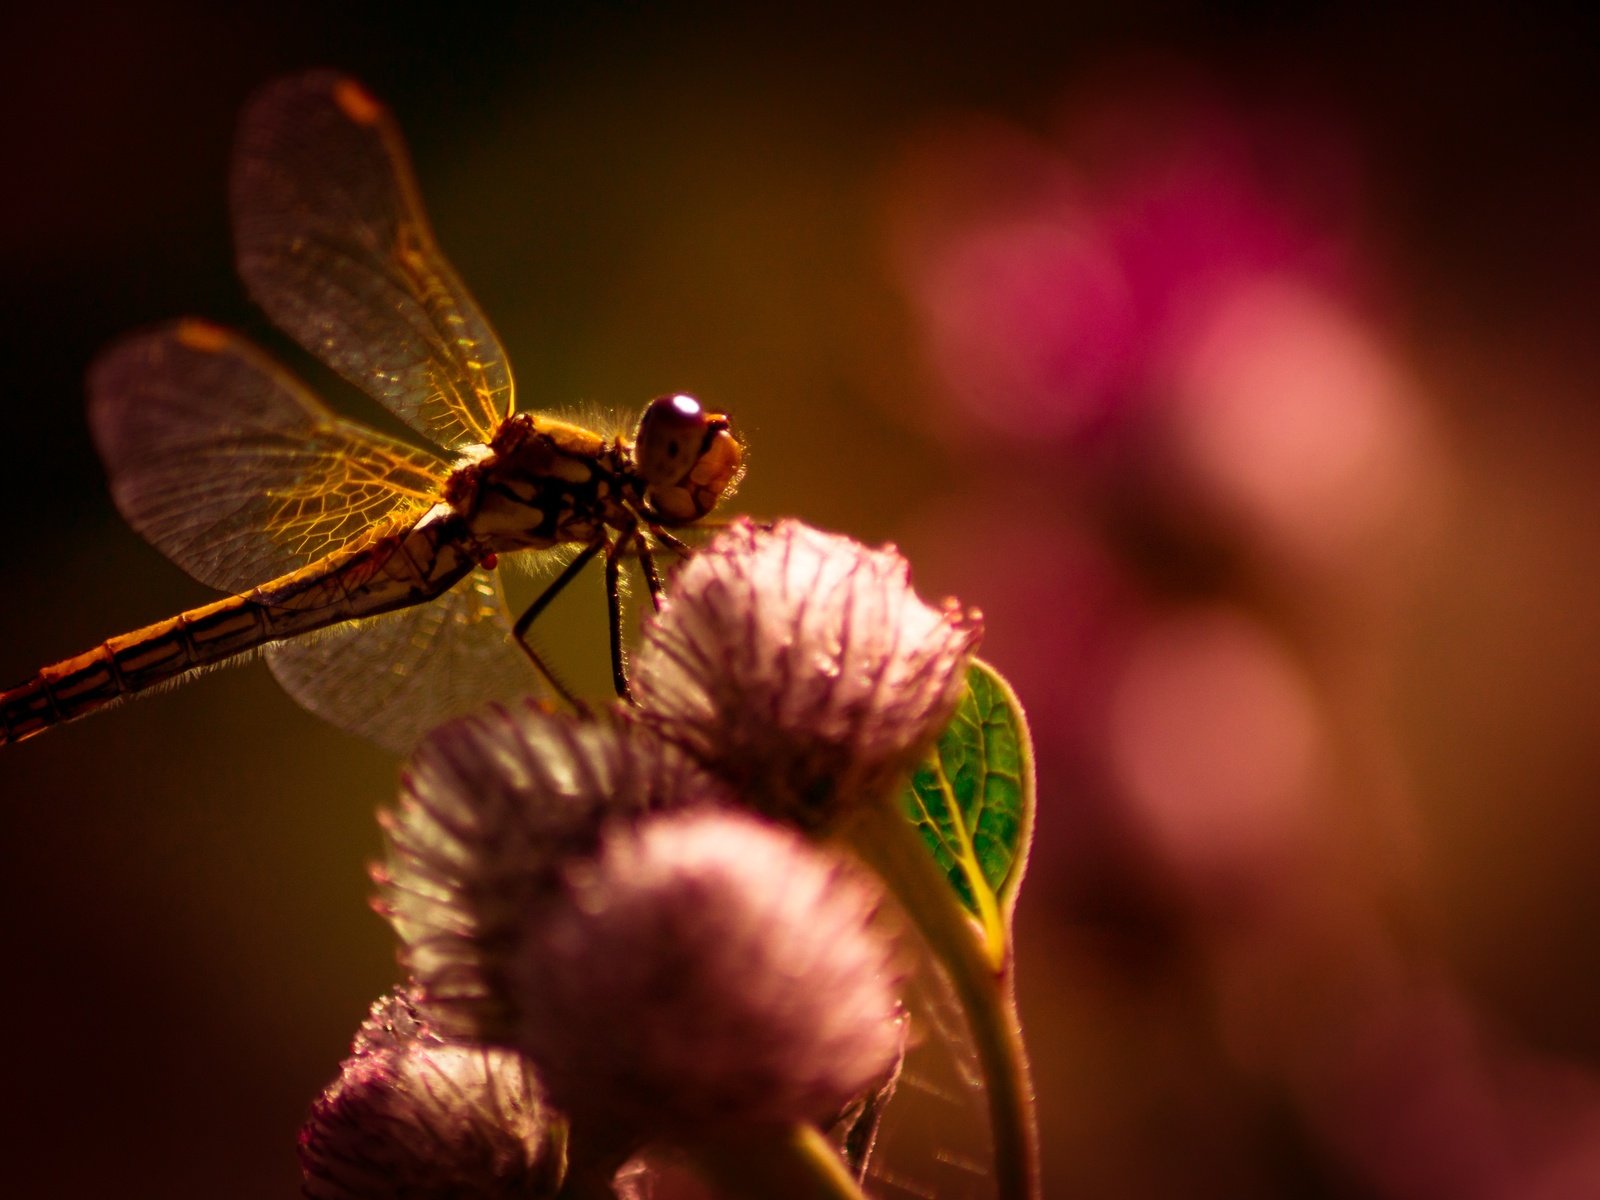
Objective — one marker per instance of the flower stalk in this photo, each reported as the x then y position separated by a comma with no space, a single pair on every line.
983,982
777,1163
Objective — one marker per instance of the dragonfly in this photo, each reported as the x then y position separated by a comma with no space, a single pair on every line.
365,567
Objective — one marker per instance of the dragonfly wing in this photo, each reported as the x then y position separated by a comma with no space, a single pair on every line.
392,678
231,468
332,242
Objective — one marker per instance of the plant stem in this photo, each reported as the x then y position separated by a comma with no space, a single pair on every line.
794,1163
892,846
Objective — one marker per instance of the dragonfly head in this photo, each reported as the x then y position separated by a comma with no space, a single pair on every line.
687,457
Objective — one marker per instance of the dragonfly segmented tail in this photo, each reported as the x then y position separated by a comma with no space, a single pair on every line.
392,571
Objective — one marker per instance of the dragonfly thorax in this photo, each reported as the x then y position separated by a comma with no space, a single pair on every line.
543,482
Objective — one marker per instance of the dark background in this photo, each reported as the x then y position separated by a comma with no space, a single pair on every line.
684,198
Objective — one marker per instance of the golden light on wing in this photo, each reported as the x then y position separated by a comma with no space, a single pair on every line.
225,462
333,243
365,486
392,678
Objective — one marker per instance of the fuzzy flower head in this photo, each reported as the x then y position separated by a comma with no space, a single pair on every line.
801,667
491,807
706,970
415,1117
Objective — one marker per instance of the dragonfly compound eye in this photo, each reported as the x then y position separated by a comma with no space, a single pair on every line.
687,457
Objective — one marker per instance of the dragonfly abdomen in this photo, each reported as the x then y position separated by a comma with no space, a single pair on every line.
132,663
390,572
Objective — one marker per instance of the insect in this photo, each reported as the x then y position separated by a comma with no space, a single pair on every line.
230,466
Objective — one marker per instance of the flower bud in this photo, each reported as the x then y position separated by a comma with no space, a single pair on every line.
490,807
705,970
415,1117
801,667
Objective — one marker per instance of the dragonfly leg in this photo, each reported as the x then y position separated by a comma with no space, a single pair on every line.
520,630
619,665
647,563
676,544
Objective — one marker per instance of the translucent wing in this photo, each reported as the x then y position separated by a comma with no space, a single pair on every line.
392,678
232,469
333,244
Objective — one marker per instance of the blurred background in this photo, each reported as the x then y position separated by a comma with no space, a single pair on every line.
1239,365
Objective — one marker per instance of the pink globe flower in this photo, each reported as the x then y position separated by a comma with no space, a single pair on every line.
491,806
413,1116
706,970
801,668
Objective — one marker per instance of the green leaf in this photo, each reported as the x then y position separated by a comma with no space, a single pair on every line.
972,800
